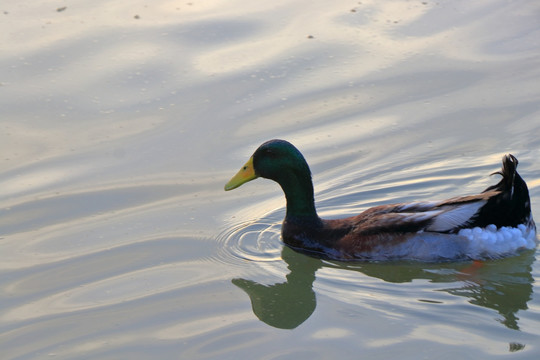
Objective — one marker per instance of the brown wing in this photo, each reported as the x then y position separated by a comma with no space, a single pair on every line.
443,216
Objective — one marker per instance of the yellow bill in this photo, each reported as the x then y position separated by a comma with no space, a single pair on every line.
246,173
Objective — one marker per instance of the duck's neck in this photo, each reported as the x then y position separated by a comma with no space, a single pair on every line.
298,190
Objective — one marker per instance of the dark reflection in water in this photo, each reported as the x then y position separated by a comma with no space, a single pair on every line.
285,305
504,285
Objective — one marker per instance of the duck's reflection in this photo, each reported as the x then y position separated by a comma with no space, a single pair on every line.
503,285
285,305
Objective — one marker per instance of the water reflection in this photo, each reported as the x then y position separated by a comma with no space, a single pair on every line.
285,305
503,285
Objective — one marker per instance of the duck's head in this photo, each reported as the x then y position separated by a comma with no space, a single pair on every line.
277,160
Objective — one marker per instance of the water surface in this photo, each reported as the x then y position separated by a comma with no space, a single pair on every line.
122,120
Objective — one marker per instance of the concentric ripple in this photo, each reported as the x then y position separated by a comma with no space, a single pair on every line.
256,240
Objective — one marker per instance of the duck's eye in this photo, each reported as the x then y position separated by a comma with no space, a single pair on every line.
244,168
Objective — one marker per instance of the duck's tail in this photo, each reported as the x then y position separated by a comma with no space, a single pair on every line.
508,173
512,206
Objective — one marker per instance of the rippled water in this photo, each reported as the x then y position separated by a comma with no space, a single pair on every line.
121,122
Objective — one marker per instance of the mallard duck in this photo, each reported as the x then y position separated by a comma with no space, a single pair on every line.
494,223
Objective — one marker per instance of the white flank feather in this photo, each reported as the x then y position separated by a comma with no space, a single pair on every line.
491,242
454,216
476,243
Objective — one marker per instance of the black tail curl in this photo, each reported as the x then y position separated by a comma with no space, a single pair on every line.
508,173
512,206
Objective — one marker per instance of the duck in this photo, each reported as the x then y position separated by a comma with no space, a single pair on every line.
492,224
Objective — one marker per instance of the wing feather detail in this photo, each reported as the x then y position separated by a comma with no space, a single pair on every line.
455,216
444,217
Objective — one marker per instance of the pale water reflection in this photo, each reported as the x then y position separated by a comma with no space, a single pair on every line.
121,120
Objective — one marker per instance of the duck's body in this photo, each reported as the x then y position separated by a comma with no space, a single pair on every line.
494,223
